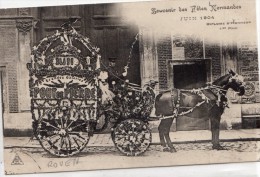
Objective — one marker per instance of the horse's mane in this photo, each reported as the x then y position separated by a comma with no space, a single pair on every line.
223,80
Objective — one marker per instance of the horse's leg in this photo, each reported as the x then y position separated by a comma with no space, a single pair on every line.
215,123
162,140
161,134
169,142
164,130
167,135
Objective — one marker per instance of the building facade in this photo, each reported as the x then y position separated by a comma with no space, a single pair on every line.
173,60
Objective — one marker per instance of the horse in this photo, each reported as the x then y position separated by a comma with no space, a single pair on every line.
208,102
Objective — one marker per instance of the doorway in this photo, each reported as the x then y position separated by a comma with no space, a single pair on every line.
189,76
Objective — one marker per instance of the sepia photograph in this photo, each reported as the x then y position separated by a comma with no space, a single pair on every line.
129,85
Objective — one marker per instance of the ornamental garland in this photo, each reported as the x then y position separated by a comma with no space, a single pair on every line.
192,109
129,102
130,53
61,43
204,98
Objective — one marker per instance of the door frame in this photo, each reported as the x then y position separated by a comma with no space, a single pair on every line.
4,89
172,63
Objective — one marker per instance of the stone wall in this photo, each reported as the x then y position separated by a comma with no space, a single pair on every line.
9,59
164,51
213,51
16,40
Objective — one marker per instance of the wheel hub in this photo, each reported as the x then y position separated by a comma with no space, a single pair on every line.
132,138
63,132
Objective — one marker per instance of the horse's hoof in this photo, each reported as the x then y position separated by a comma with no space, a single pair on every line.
166,149
173,150
218,147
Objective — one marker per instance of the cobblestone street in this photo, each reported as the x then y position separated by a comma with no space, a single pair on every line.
100,157
193,148
241,146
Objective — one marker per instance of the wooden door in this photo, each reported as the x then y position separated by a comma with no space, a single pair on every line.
51,19
104,25
114,37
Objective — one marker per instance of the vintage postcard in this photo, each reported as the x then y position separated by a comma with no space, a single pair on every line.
129,85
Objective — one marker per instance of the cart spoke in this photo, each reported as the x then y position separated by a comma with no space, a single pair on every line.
56,122
72,128
48,124
61,142
69,140
76,142
72,122
47,138
80,140
62,125
80,136
66,144
54,142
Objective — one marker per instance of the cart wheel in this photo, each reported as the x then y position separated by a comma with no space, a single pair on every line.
61,137
132,137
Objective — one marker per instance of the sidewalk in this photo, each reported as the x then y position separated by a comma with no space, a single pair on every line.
196,136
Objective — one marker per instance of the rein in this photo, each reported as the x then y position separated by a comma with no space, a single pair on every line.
194,90
198,92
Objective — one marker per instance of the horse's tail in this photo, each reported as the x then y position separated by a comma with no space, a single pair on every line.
157,105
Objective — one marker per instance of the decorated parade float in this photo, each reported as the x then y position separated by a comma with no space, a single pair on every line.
71,99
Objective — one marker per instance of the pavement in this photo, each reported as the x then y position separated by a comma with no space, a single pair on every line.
178,137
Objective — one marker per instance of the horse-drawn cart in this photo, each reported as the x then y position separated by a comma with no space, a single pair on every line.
66,98
71,99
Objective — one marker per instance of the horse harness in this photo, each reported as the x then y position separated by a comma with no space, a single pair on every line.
176,106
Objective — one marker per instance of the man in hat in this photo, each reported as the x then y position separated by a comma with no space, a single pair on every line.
113,76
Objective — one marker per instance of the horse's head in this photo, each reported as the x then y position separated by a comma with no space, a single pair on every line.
236,82
233,81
